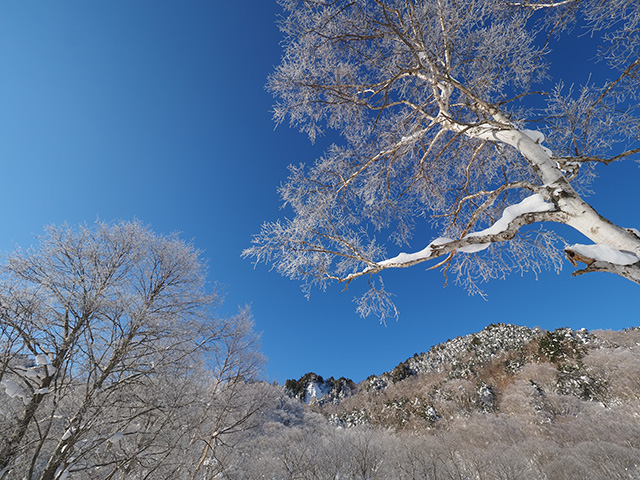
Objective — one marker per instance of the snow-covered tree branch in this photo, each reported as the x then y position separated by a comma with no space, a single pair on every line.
436,102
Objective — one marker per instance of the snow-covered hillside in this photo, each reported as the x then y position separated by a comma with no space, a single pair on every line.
474,373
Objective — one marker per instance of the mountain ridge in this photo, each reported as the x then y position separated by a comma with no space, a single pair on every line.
474,372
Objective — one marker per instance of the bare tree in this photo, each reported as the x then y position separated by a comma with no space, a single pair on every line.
230,401
436,101
110,347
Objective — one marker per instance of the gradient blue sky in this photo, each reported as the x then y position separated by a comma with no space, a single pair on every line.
156,110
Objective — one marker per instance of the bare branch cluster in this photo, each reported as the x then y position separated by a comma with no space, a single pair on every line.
112,361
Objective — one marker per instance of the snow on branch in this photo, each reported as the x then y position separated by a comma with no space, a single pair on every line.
532,204
602,253
12,389
529,210
603,258
409,258
538,6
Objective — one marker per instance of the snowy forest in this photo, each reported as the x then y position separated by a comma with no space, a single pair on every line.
458,143
114,365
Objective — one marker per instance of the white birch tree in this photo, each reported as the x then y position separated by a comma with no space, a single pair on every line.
442,122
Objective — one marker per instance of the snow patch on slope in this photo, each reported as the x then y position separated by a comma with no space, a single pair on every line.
314,391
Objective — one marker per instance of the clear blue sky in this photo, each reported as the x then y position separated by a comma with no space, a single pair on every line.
156,110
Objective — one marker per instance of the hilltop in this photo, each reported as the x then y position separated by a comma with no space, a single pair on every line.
484,373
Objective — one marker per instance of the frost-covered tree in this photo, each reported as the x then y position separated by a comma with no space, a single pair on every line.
113,363
443,118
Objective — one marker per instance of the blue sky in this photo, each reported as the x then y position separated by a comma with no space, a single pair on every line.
157,111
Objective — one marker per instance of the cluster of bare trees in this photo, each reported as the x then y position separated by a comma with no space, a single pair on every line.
113,363
585,441
451,116
537,428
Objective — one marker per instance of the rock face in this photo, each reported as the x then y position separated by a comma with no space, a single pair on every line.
313,389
